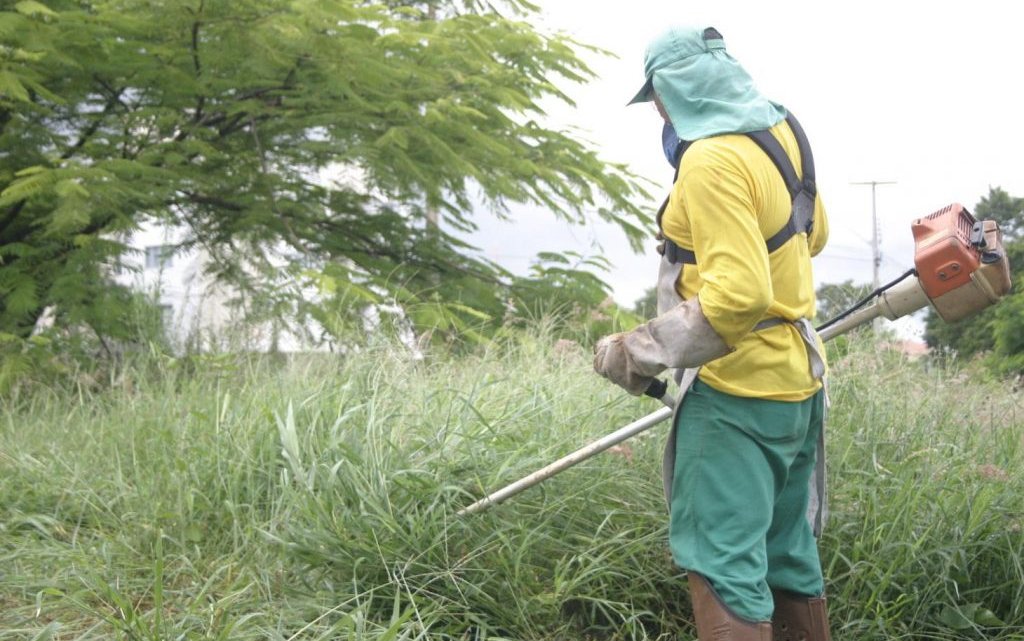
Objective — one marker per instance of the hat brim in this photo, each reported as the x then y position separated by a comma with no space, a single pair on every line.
646,93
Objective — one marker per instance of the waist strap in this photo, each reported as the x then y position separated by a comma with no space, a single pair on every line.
768,323
815,359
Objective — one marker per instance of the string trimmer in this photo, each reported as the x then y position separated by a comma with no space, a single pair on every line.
960,268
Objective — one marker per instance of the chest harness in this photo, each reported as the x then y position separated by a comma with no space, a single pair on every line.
801,191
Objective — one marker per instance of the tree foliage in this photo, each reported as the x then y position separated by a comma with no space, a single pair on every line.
226,120
1005,209
997,330
647,305
835,298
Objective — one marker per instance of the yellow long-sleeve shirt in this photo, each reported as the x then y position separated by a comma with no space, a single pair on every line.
729,197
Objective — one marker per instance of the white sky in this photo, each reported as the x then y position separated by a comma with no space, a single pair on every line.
927,94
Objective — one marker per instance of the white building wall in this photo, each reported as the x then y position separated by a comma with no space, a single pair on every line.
200,313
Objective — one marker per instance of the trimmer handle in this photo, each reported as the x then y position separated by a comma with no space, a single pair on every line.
656,389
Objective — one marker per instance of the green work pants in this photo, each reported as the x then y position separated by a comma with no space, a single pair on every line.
740,493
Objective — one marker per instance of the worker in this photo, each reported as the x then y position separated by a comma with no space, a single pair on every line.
744,463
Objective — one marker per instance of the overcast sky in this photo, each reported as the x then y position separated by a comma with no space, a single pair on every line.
927,94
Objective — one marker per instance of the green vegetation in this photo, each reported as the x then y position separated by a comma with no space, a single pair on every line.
835,298
314,498
149,496
332,133
646,306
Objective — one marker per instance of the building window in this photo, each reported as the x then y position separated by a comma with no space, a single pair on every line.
167,315
158,256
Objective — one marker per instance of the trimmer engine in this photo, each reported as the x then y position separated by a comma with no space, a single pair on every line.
961,264
961,268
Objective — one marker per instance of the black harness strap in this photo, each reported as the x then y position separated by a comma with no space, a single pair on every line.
770,145
673,252
801,191
676,254
806,157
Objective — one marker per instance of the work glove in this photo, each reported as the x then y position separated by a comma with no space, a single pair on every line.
680,338
613,361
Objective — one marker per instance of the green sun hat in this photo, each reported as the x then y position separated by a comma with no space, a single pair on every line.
704,90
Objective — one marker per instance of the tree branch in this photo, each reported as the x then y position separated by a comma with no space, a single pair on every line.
113,93
195,39
94,126
215,201
373,249
239,120
5,117
201,101
9,217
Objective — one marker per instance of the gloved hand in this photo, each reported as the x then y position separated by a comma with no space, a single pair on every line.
680,338
612,360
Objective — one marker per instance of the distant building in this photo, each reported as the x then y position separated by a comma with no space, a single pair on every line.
197,312
913,350
200,313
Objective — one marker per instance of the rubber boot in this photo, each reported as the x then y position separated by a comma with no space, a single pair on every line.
715,622
799,618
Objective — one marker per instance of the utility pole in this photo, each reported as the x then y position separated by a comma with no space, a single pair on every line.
433,215
876,231
876,237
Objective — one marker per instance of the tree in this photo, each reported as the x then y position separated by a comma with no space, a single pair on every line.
219,117
995,330
647,305
1007,210
835,298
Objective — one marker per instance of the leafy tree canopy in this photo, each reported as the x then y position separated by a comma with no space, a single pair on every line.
1007,210
221,118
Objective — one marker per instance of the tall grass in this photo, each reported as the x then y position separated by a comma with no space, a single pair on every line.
315,498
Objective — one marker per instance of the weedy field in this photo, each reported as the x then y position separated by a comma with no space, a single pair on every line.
314,498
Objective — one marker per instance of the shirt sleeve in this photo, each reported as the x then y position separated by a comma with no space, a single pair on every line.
731,256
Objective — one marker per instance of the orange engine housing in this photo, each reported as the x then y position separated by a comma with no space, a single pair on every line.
943,254
961,264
